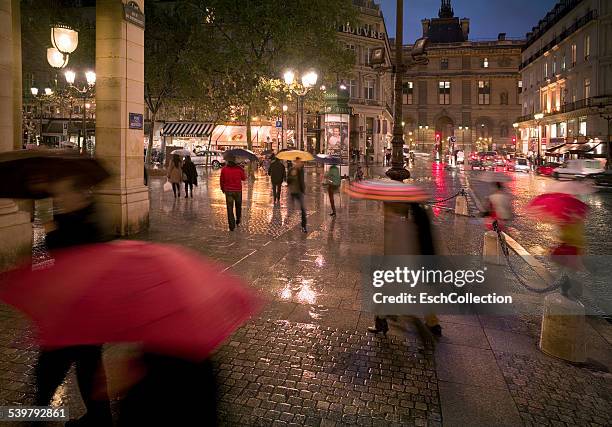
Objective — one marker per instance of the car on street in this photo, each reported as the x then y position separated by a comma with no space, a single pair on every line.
484,160
520,164
209,158
547,168
578,168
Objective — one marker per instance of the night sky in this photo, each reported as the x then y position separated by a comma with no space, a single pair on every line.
487,17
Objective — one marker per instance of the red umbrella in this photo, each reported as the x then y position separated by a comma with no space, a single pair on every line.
171,299
558,207
386,190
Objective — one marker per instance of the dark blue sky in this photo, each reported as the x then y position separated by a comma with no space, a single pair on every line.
487,17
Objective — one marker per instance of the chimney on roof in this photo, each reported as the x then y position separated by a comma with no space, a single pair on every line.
501,36
465,27
425,23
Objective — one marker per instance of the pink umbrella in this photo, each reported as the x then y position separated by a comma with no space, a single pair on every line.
558,207
170,299
386,190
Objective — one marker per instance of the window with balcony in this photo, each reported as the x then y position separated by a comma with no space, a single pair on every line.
484,92
587,47
369,90
563,62
407,93
546,70
353,88
366,55
444,92
587,88
573,64
554,66
484,63
444,64
582,126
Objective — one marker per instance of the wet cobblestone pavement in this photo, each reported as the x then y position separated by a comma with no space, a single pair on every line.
307,359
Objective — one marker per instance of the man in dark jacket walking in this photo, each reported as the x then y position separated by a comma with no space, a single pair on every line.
277,176
297,187
232,176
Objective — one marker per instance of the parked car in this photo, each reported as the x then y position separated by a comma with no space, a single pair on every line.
520,164
578,168
209,158
546,169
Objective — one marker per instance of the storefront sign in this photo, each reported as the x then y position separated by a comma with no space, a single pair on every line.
363,32
136,121
279,124
133,14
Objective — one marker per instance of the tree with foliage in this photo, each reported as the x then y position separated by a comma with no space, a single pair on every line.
256,40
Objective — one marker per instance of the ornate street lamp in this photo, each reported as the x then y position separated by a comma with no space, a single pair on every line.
65,41
56,59
41,98
309,80
84,92
538,118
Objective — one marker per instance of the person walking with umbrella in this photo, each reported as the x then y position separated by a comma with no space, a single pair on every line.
190,176
277,176
175,174
232,176
297,187
332,180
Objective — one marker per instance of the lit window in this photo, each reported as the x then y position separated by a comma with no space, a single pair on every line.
587,88
484,92
485,63
444,92
587,47
353,88
573,54
407,93
554,66
369,89
582,126
546,70
563,62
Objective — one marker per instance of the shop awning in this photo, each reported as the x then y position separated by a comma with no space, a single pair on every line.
579,148
187,129
555,150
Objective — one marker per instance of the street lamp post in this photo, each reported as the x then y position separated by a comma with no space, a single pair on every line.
85,92
309,79
516,139
48,92
538,118
285,108
607,117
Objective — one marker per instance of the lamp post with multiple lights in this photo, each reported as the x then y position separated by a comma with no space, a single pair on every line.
309,80
41,99
463,129
538,118
84,92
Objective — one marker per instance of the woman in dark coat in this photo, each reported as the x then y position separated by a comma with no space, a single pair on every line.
190,176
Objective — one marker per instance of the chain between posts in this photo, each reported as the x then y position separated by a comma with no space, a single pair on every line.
506,251
435,202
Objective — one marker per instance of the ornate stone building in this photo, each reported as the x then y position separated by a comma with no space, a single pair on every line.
469,89
566,71
371,96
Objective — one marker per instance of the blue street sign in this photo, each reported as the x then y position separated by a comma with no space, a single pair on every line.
279,123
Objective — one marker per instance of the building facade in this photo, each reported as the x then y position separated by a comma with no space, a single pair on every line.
566,70
370,92
469,90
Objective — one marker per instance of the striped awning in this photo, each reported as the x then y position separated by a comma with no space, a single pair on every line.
188,129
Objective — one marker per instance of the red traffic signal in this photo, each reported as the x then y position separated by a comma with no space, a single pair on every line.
513,139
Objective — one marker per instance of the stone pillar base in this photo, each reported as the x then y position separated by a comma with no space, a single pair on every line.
15,235
126,211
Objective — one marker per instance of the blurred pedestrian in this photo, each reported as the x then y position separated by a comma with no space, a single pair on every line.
499,207
388,157
190,176
297,188
277,176
332,180
76,223
232,176
358,174
175,174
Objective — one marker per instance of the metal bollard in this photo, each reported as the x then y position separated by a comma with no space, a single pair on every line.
461,205
563,328
491,250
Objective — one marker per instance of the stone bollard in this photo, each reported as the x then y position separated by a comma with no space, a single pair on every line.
491,250
563,328
461,205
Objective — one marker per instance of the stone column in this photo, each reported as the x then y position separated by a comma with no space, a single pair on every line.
15,227
120,91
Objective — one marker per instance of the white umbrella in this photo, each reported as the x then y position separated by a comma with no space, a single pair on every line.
182,152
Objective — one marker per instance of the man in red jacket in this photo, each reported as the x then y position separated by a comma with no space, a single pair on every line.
232,176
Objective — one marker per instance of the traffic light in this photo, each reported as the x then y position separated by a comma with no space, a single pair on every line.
514,139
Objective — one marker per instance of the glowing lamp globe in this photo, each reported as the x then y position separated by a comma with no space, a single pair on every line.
64,39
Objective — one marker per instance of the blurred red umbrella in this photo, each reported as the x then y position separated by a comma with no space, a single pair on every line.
386,190
558,208
170,299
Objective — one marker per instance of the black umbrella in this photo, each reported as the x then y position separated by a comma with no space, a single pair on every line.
327,159
241,153
25,173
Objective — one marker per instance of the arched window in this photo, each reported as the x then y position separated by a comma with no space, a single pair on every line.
503,98
503,131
